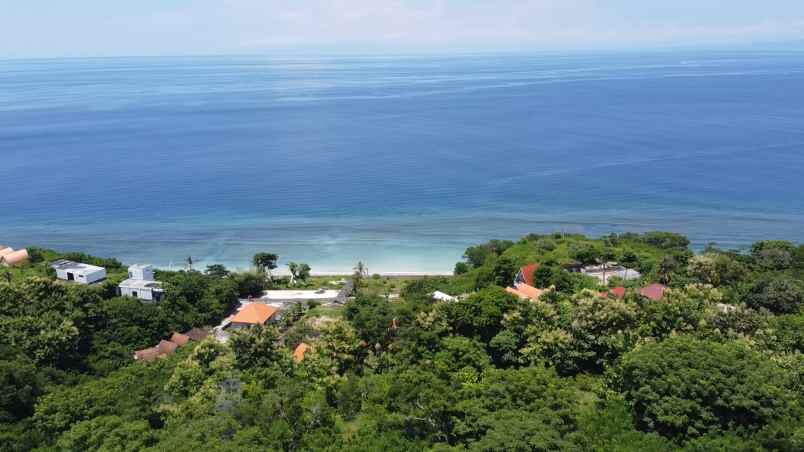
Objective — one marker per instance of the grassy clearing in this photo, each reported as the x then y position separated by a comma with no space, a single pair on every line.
325,311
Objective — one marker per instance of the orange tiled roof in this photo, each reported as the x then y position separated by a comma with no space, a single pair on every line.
525,291
513,291
298,354
179,339
255,314
529,291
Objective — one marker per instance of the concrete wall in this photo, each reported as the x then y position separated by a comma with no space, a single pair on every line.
142,294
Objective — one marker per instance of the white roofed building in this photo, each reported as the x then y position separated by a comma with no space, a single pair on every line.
441,296
290,296
78,272
141,284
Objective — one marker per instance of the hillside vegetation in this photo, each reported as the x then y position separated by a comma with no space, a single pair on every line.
716,364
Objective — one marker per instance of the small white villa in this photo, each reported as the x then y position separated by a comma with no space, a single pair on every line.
141,284
610,270
78,272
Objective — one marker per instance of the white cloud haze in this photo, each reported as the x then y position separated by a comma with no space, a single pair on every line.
170,27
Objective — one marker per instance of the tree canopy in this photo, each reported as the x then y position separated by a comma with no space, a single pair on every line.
715,363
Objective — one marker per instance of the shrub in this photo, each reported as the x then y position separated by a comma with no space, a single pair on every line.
780,295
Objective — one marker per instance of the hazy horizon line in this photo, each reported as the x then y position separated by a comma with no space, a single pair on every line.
323,52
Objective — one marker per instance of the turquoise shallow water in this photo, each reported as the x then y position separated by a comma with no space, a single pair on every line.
401,162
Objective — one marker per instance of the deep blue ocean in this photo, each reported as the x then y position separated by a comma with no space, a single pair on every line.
397,161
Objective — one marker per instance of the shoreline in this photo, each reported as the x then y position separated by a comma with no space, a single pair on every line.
322,274
400,274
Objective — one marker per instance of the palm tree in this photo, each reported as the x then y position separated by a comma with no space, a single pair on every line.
361,269
189,262
357,278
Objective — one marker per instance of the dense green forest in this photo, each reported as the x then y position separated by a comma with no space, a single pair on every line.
715,365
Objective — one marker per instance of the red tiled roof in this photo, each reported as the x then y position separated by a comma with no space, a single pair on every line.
255,314
179,339
654,292
618,292
527,273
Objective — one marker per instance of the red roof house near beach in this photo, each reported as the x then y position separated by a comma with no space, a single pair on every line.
254,314
525,275
654,291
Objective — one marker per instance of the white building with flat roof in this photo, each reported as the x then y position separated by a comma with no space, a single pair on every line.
141,284
285,296
78,272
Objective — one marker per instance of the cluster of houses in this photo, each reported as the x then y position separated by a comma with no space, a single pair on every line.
9,257
166,348
268,309
140,283
253,314
250,315
524,286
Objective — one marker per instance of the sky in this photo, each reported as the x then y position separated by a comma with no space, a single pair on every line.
53,28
